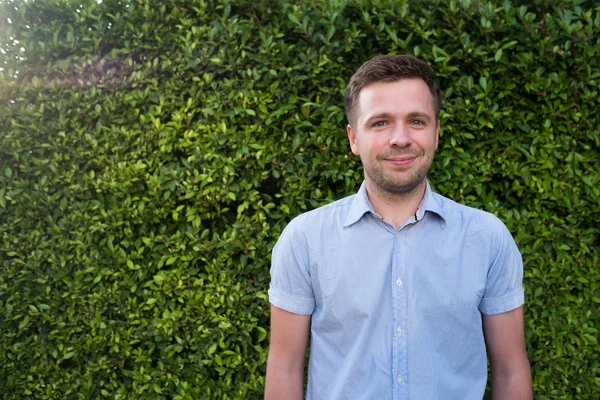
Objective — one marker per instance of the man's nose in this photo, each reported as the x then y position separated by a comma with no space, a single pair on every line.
400,135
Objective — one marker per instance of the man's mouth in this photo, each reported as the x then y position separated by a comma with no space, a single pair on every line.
401,160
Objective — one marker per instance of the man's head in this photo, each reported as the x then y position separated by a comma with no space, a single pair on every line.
390,69
392,103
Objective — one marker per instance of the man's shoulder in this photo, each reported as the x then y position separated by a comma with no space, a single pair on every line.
472,219
331,213
312,228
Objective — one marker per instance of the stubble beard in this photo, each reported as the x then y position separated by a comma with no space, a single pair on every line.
399,183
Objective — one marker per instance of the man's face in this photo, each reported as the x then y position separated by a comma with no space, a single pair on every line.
395,134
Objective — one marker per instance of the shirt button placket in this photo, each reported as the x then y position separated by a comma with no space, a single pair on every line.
400,387
399,357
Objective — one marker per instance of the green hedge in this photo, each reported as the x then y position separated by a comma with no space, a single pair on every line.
152,151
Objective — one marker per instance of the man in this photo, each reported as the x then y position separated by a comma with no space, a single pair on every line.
400,290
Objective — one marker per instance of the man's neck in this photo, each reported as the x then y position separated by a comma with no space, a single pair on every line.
395,208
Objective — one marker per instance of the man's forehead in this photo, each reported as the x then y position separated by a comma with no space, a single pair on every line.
415,86
376,114
385,98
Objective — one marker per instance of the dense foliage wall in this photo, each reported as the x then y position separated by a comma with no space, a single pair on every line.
152,151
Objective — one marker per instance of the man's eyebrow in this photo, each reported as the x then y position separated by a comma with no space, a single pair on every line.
386,115
383,115
418,114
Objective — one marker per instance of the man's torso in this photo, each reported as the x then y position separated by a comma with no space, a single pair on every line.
396,314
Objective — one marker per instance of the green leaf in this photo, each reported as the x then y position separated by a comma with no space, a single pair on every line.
498,56
483,82
294,19
171,260
24,322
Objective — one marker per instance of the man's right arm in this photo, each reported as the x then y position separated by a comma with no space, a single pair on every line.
285,364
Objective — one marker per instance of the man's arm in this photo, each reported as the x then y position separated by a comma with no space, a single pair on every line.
285,364
505,341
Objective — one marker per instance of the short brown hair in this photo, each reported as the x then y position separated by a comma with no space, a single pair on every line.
390,69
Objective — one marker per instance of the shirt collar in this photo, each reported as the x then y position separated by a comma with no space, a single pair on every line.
432,202
361,205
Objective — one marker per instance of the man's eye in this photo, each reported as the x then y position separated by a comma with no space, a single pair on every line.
417,122
379,124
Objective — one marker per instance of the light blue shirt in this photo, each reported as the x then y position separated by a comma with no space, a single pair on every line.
396,314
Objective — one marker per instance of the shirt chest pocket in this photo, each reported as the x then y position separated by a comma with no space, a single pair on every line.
350,288
350,277
327,268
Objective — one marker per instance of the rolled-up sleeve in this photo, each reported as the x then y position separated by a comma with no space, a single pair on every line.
504,286
290,288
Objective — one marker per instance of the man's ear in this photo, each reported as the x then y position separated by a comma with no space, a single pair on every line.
352,139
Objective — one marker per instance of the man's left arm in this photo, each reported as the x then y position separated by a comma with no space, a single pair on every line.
505,342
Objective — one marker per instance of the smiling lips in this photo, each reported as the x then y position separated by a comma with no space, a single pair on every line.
401,161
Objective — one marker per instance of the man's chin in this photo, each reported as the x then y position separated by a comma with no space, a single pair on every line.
400,187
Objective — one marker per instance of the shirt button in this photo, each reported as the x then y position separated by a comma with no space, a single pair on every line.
399,282
398,236
399,330
399,380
